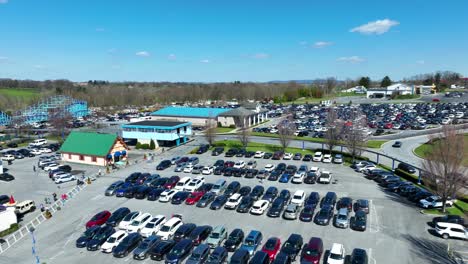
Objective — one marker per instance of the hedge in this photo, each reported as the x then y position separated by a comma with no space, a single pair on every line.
13,228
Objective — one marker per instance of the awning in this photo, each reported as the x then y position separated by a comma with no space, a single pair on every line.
117,154
124,152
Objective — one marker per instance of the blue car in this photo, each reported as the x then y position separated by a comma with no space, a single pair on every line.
120,192
252,241
285,177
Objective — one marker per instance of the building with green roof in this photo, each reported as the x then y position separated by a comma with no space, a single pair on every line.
93,148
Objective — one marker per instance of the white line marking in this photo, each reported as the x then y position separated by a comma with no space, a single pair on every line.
370,256
374,228
58,254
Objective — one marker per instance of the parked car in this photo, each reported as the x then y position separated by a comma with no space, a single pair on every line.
199,254
99,238
359,256
123,224
291,212
259,207
143,250
82,241
162,247
98,219
454,219
449,230
217,236
164,165
234,239
179,252
128,244
324,216
337,254
117,216
153,226
312,251
218,256
113,241
292,246
252,241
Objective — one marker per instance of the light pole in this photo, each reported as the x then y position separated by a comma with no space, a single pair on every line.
34,253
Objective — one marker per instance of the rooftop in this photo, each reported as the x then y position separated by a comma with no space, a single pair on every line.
240,111
205,112
158,123
88,143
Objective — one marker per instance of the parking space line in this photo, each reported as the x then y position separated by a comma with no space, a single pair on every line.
370,256
374,227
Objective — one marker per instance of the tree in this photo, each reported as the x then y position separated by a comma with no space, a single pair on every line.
152,145
354,135
335,126
330,85
210,132
244,136
59,118
386,82
365,81
443,165
286,130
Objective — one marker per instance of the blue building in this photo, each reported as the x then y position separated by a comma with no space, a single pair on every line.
164,133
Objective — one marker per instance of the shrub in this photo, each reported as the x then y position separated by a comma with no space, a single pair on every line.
152,145
232,126
138,145
13,228
145,146
219,124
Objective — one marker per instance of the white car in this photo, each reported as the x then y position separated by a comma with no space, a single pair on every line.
259,207
325,177
8,157
167,195
128,219
64,178
239,164
169,228
153,226
36,151
298,177
113,241
188,168
38,142
207,170
287,156
318,156
327,158
316,171
259,154
51,166
447,230
434,201
233,201
139,223
59,174
366,168
269,167
298,197
337,254
45,150
194,184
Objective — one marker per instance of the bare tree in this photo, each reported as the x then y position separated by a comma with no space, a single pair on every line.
286,130
244,136
210,132
334,129
60,119
354,134
443,165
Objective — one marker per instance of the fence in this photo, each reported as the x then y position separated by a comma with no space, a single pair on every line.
33,224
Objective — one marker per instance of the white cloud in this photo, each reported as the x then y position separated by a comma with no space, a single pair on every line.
421,62
3,1
351,59
322,44
377,27
261,56
143,54
171,57
205,61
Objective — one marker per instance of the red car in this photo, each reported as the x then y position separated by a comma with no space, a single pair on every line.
312,252
388,126
435,100
194,198
229,164
171,183
271,247
99,219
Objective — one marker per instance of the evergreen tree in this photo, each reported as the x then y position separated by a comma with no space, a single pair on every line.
386,82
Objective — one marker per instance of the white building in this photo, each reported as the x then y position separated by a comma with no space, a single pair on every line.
394,89
356,89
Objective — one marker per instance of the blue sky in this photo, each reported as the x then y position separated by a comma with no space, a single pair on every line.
230,40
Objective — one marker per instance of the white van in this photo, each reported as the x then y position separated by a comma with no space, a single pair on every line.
298,198
38,142
448,230
182,183
219,186
169,228
25,207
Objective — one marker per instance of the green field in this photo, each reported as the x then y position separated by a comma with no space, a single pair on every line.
224,129
26,93
423,150
370,143
460,208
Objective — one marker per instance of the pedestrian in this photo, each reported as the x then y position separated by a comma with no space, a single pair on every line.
99,173
34,168
42,207
55,196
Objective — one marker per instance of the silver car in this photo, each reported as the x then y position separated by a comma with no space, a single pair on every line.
342,218
291,211
180,167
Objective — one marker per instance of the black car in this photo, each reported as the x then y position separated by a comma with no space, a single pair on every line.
154,193
419,195
128,244
133,177
228,172
161,248
267,155
117,216
230,153
100,237
282,258
285,194
407,168
163,165
232,188
270,194
359,256
218,256
274,175
180,251
240,256
454,219
307,213
12,145
257,192
184,231
234,239
200,234
245,204
251,173
218,170
130,191
329,200
83,240
141,192
324,216
307,157
292,246
359,221
217,151
203,148
26,153
276,207
397,144
219,163
159,182
260,257
345,202
240,153
313,199
245,190
219,202
206,187
206,199
310,178
180,197
6,177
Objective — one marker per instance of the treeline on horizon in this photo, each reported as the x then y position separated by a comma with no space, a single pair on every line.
105,94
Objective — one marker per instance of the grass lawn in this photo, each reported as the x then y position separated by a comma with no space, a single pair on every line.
426,148
26,93
370,143
454,210
253,146
224,129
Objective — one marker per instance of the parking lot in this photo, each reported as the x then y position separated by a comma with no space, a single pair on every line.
396,231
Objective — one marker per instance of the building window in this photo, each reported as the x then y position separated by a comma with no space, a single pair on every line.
81,157
93,159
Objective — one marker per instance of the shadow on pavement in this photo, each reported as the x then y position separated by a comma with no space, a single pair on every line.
432,251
